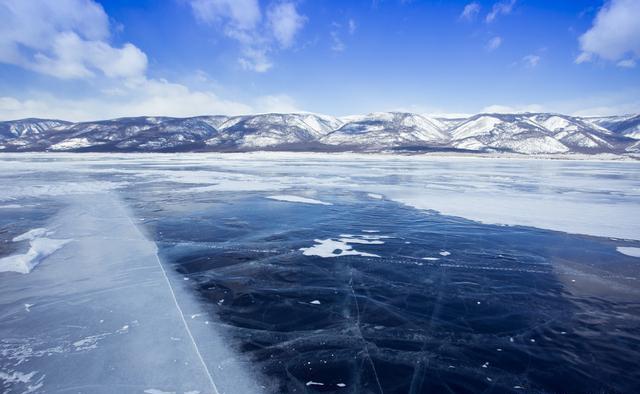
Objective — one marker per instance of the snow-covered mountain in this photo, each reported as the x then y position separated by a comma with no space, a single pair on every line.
528,133
385,130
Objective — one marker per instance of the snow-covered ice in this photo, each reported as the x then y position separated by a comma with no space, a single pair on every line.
581,196
303,200
629,251
40,246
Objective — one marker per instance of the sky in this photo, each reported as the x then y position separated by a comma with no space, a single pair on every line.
98,59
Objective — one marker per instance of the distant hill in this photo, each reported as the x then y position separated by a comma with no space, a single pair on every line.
529,133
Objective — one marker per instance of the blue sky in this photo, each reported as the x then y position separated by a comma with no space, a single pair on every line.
89,59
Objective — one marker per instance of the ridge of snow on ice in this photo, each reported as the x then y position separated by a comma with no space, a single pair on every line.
303,200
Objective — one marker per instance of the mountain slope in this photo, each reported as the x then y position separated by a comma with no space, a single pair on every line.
529,133
379,130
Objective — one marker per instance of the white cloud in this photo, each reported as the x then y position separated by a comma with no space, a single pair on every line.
276,103
627,63
69,39
352,26
470,11
64,38
494,43
151,97
337,45
609,110
337,33
142,97
508,109
285,22
531,61
238,14
615,34
501,8
255,59
243,21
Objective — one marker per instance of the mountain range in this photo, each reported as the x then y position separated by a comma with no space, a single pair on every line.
527,133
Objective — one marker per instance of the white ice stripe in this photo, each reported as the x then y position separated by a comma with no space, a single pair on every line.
303,200
184,321
629,251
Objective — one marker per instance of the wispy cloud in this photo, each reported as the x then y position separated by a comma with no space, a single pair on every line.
614,36
258,35
501,8
338,30
234,14
285,22
627,63
470,11
337,45
531,61
352,26
494,43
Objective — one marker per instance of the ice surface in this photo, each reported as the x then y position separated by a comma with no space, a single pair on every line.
629,251
106,315
584,197
303,200
415,291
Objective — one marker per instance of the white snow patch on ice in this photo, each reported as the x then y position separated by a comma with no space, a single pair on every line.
39,249
10,206
16,377
361,241
31,235
157,391
629,251
327,247
303,200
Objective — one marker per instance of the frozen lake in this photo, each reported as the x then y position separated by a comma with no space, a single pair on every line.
274,272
